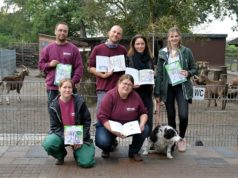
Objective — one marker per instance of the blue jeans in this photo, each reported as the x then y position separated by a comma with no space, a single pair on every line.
104,139
176,93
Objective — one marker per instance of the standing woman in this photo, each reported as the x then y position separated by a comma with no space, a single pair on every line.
183,92
140,57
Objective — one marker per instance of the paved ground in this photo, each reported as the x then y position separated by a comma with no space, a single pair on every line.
201,162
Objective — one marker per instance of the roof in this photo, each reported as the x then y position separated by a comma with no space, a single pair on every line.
233,42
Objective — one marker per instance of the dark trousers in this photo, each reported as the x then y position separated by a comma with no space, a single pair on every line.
176,93
148,102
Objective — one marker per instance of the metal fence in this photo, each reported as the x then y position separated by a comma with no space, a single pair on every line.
7,62
27,122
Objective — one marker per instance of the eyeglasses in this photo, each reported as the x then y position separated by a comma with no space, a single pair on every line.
126,84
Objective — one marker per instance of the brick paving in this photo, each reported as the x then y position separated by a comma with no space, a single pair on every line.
196,162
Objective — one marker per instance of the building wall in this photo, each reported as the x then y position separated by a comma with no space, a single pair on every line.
210,48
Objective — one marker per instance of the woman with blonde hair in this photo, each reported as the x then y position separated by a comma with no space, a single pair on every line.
167,90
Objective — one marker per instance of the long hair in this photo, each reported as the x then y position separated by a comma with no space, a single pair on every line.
172,30
132,49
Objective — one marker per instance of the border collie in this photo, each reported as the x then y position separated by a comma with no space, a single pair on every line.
163,138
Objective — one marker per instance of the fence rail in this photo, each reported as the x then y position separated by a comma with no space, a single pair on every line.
27,122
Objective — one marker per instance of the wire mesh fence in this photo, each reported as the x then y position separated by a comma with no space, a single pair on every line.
27,122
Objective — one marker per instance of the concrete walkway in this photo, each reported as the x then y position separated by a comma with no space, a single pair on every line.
201,162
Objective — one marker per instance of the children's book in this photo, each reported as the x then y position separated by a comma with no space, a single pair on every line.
108,64
73,134
141,77
129,128
63,71
173,69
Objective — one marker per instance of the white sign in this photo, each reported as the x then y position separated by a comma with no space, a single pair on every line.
198,93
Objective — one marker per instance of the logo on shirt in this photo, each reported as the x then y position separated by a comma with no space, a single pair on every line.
130,109
72,114
66,54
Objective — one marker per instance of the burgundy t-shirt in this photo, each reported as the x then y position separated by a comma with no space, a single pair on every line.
103,50
113,107
67,112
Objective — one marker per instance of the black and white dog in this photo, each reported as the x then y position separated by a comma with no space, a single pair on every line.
162,139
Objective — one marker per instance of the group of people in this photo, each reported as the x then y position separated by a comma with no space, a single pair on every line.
118,98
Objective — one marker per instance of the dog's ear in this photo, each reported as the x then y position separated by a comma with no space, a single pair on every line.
169,133
153,135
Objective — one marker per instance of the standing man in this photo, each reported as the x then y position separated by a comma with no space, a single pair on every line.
61,51
107,80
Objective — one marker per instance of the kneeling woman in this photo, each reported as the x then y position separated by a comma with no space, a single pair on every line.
121,104
69,109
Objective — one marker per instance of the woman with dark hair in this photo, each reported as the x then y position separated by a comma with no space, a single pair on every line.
123,105
139,57
167,90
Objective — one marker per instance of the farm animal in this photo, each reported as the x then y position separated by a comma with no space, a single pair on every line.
14,82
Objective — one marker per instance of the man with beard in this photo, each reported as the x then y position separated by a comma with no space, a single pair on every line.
60,52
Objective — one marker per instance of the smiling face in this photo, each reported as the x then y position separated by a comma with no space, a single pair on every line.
174,39
125,85
66,89
115,34
61,33
139,45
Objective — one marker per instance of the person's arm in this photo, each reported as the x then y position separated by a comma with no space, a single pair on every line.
93,71
143,120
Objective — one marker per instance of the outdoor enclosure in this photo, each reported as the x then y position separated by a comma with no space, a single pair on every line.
27,122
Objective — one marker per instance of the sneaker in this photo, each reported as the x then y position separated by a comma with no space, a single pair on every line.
136,157
182,145
105,154
59,162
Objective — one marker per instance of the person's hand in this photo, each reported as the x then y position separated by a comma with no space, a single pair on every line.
77,146
107,74
136,86
118,134
142,127
53,63
184,72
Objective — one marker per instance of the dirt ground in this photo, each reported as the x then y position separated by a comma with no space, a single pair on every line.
211,125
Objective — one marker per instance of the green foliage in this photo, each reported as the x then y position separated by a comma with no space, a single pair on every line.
93,17
231,50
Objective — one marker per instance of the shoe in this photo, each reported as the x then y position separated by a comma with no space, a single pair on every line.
105,154
182,145
136,157
59,162
115,143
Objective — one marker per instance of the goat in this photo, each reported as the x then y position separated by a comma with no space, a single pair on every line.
233,88
15,82
214,89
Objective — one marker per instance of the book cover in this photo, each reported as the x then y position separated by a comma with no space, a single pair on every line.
113,63
73,134
63,71
173,69
141,77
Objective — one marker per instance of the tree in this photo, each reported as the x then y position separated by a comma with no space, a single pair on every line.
93,17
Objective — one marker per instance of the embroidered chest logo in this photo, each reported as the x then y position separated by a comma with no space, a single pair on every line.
66,54
130,109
